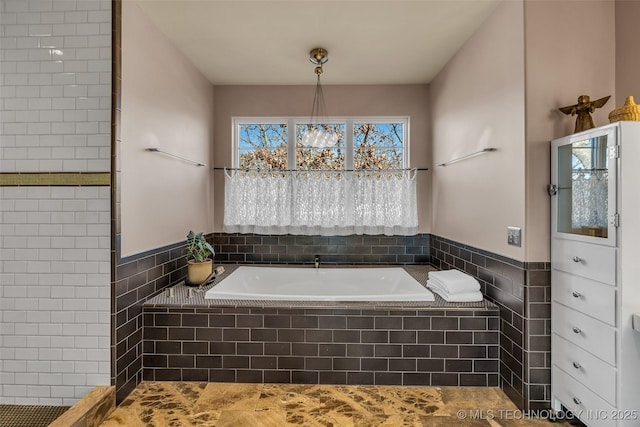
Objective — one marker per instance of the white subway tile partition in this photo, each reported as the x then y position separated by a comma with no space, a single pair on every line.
55,116
54,334
56,85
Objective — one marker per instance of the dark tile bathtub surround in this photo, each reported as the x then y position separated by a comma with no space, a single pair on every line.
445,347
139,277
289,249
523,293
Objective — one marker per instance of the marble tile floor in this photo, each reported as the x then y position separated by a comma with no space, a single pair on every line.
186,404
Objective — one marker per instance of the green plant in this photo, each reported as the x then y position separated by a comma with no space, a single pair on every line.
198,249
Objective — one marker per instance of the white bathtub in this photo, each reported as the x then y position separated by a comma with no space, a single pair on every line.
323,284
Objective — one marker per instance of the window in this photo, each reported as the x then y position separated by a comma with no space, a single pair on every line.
346,201
363,144
262,145
379,144
308,158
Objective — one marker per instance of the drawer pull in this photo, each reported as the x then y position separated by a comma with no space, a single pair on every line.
577,259
576,330
577,365
576,294
577,401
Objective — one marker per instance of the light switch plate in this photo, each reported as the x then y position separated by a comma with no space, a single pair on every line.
514,236
636,322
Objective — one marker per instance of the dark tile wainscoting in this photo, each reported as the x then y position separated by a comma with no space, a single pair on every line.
288,249
136,279
522,290
382,346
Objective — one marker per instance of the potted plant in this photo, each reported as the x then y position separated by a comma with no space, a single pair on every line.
199,258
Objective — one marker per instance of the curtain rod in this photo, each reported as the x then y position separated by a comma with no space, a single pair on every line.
320,170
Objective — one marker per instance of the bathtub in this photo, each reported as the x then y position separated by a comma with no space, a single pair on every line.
322,284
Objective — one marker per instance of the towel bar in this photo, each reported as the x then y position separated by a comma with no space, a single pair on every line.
475,153
157,150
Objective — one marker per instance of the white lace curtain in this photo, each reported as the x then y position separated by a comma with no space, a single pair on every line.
590,199
321,202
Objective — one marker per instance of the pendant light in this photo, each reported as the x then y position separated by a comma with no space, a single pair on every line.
315,136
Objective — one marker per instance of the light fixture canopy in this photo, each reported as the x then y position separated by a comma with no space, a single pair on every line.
318,56
316,136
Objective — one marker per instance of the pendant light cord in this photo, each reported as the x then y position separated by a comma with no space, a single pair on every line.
318,109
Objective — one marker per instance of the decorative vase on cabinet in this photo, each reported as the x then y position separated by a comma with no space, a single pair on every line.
595,274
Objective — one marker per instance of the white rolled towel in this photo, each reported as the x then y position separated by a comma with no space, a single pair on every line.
454,281
474,296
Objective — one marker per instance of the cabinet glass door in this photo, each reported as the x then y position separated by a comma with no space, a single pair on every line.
585,204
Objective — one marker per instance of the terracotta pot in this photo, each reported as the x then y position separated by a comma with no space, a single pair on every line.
198,272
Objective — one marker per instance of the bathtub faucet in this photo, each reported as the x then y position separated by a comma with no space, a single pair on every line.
316,261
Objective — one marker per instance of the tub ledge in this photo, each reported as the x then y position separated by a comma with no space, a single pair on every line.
91,410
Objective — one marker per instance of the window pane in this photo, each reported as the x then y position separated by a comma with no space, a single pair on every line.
263,146
583,196
320,158
378,145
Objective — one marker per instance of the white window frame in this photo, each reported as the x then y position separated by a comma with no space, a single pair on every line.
238,121
291,126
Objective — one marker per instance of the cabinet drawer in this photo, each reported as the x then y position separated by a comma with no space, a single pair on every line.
594,262
592,335
584,295
581,401
584,367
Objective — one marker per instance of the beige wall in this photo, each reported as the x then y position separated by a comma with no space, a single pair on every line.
347,101
562,62
478,101
166,103
627,51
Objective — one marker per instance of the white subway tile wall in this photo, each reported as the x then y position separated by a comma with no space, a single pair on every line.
55,273
55,116
55,85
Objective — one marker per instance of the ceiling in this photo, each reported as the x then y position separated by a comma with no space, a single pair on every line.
266,42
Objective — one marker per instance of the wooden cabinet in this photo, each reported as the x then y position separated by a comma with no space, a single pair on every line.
595,274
